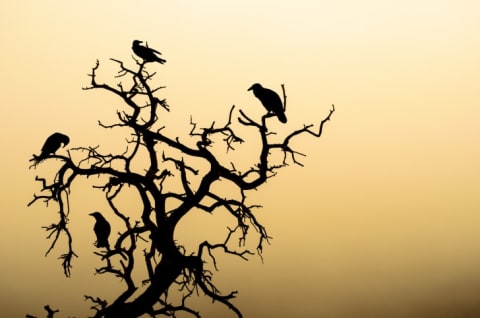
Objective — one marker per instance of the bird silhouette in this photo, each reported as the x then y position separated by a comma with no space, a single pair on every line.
101,229
270,100
146,53
51,145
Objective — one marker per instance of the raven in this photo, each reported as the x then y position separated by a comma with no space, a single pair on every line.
51,145
270,100
146,53
101,229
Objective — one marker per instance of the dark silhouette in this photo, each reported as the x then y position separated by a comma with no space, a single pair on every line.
50,312
155,183
51,145
146,53
101,229
270,100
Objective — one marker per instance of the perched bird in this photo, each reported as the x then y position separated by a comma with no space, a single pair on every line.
101,229
51,145
270,100
146,53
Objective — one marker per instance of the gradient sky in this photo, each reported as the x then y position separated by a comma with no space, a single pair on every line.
383,220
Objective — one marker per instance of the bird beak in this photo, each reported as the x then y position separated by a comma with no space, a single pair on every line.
250,88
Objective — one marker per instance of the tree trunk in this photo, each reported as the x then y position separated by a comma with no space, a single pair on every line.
165,274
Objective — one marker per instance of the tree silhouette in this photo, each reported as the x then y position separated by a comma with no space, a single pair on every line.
171,178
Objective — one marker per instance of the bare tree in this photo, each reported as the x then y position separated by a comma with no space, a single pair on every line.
173,179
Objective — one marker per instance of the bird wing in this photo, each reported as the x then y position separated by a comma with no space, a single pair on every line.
51,144
147,53
153,50
271,101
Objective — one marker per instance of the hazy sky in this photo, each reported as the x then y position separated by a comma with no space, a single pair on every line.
383,220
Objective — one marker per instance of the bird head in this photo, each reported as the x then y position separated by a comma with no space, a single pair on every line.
136,42
255,87
96,214
65,140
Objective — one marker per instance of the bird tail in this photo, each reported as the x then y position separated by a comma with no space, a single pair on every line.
36,159
161,61
103,243
281,116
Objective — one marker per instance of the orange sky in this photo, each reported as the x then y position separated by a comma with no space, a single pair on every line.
383,220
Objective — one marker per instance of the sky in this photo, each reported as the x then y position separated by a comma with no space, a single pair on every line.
383,220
